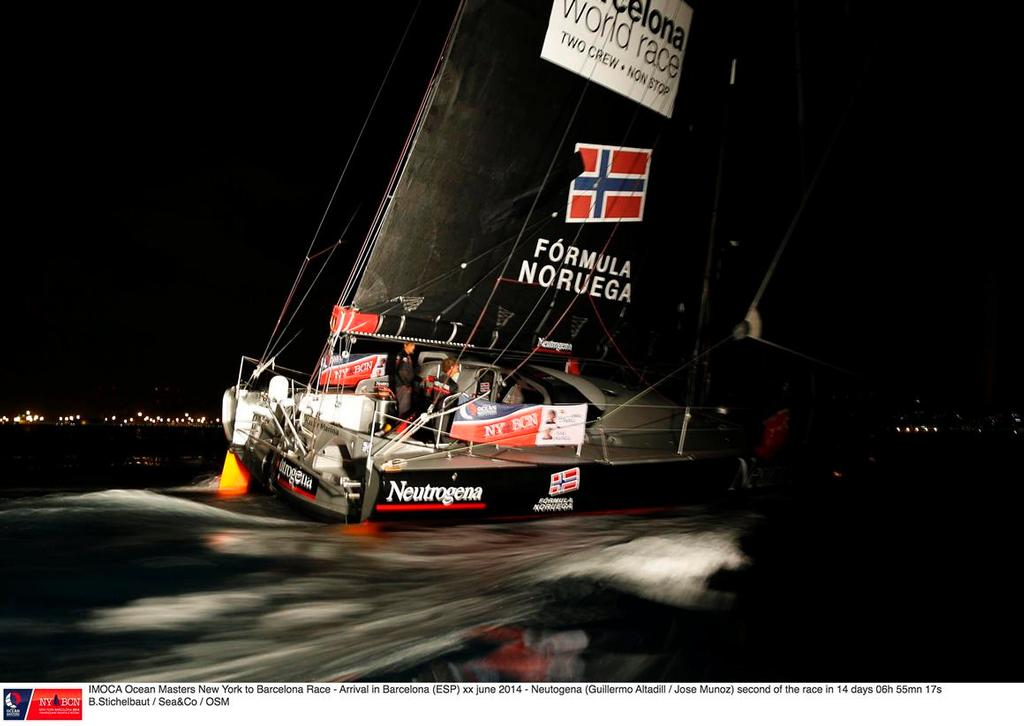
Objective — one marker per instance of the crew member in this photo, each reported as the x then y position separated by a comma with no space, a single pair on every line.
403,374
448,383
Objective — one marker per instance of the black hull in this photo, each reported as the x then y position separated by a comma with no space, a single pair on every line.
456,492
263,464
524,492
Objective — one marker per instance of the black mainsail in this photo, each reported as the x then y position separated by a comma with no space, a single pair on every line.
538,209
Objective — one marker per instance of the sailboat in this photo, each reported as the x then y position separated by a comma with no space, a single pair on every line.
531,233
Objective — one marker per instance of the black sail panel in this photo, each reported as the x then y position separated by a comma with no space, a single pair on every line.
536,209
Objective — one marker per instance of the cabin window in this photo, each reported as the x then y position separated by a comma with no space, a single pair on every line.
486,384
519,390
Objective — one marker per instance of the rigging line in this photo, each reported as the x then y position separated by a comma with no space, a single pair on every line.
704,310
373,231
284,308
341,177
329,248
672,373
315,375
604,249
501,276
797,353
568,307
466,447
303,300
809,191
285,347
366,249
366,120
522,231
323,266
615,345
561,266
545,291
424,285
579,232
536,198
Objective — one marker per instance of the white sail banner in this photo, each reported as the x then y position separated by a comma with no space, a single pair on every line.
633,47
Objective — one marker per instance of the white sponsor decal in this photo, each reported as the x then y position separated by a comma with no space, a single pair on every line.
598,275
633,47
402,492
562,425
549,504
554,345
482,410
296,477
368,367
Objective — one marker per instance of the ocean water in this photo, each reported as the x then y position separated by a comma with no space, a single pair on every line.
890,574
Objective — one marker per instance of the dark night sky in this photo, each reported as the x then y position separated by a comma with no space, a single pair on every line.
167,178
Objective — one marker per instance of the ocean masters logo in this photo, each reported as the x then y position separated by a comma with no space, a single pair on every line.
16,702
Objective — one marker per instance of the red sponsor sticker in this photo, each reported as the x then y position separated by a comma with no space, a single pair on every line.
56,704
349,320
518,428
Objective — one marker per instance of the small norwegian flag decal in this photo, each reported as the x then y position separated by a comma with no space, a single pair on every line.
563,482
612,187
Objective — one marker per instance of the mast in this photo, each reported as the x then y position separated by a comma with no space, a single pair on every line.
704,313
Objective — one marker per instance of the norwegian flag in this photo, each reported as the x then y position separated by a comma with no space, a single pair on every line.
612,187
563,482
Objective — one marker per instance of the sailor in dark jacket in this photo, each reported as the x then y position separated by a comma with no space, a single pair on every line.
403,375
448,383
